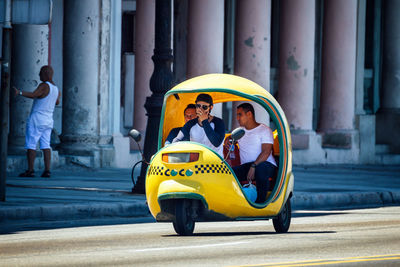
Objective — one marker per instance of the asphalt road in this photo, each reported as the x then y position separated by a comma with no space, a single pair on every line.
340,238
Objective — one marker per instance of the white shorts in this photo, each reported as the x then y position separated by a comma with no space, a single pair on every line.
37,133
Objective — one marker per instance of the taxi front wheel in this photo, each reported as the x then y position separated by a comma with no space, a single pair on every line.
183,223
282,221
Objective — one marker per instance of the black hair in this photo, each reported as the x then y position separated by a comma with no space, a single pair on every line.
247,107
193,106
205,98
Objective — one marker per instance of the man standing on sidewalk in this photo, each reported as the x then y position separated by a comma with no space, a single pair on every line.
40,121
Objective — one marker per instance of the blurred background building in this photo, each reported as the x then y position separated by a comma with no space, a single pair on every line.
333,65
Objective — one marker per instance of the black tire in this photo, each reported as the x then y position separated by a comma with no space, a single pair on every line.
282,221
183,223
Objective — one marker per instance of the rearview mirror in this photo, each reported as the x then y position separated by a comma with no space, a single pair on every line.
135,134
237,134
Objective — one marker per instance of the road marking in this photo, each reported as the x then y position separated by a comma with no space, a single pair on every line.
328,262
192,247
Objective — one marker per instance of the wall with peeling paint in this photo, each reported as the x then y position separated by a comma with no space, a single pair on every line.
84,53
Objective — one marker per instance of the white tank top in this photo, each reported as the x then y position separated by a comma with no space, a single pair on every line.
42,108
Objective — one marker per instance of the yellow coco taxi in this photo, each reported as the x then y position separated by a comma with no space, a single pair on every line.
188,182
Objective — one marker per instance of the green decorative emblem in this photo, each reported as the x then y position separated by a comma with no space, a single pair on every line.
189,172
174,172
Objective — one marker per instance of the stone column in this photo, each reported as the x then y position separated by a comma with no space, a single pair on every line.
180,39
115,66
56,56
296,68
253,48
205,40
336,121
29,54
205,37
81,97
105,111
122,157
145,24
388,117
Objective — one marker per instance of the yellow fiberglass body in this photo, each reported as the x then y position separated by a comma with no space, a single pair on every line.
191,180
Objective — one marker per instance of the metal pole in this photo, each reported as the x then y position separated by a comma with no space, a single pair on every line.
160,82
5,98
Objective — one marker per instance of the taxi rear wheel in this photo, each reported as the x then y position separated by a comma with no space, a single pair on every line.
183,223
282,221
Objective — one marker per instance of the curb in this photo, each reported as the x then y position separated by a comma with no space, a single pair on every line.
309,201
75,211
344,200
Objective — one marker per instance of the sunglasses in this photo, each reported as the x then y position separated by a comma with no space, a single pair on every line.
204,107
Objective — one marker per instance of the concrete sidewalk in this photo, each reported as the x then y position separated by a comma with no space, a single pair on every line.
73,193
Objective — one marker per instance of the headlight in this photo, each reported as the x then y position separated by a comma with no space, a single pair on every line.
180,157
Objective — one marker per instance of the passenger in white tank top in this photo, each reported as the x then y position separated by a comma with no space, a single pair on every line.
40,121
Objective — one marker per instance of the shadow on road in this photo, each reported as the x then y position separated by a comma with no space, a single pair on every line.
297,214
11,227
255,233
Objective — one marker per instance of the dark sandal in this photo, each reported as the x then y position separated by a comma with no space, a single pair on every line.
46,174
27,173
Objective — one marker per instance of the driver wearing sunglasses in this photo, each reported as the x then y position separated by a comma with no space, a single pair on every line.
205,128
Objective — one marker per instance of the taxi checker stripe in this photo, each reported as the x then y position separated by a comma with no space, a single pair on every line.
284,150
156,170
207,168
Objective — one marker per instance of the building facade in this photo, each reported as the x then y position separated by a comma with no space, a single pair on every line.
331,64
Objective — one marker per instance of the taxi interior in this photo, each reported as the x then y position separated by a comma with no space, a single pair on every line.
173,117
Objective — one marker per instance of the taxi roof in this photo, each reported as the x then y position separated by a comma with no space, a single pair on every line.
217,85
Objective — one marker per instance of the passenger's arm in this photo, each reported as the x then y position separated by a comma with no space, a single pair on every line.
178,138
184,133
263,156
172,134
216,135
265,152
